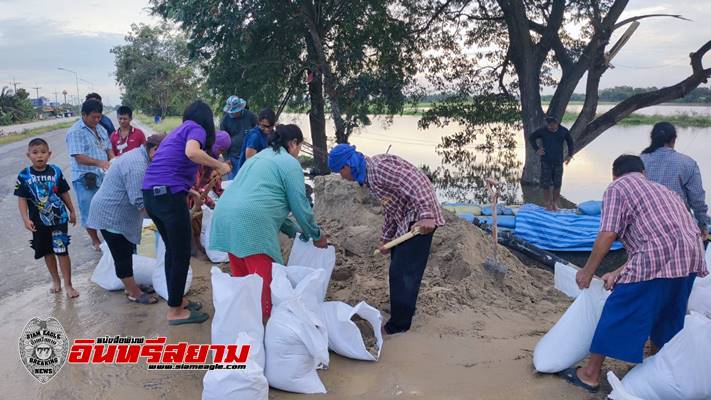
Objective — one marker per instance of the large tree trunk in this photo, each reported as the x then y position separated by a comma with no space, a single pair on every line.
317,121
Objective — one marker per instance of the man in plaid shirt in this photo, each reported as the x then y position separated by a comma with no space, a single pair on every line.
409,202
651,291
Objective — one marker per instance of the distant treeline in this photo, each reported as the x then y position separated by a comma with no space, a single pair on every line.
619,93
611,95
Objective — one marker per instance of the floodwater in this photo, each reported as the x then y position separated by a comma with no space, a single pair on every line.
585,178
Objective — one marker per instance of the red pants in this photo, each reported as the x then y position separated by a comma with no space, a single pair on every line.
260,264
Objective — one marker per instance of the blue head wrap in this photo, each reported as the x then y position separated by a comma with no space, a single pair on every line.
345,154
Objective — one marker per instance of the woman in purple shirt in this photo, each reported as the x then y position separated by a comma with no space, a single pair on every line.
165,186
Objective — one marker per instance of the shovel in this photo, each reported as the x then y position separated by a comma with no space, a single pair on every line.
492,264
397,241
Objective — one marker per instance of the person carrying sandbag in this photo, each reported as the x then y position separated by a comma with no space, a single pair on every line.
252,211
409,204
650,292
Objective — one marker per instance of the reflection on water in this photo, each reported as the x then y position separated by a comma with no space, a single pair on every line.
464,167
459,172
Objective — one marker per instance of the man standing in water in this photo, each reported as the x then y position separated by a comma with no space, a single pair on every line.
552,136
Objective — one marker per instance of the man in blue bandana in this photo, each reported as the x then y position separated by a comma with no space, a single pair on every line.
409,201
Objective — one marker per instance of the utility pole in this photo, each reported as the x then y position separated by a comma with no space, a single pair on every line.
56,99
36,88
14,83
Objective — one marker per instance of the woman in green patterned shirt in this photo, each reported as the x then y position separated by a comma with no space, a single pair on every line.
255,208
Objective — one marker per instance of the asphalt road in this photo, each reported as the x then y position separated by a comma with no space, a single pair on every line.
7,129
20,270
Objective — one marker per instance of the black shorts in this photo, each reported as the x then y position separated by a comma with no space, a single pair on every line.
551,175
50,240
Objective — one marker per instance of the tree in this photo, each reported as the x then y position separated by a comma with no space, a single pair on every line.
521,43
358,55
154,70
15,106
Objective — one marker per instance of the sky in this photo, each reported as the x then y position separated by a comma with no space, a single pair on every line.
37,37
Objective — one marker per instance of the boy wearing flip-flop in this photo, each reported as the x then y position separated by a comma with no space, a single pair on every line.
651,291
46,208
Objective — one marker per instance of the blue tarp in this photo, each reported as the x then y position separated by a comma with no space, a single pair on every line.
501,209
591,207
560,231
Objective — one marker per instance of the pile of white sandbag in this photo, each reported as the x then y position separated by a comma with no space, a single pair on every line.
146,271
680,371
237,320
299,333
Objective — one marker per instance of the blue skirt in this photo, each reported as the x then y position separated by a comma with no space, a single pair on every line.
638,311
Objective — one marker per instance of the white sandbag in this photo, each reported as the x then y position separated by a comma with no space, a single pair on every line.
160,285
238,320
305,254
296,340
105,272
344,337
700,297
680,371
569,340
215,256
248,383
296,280
564,280
618,389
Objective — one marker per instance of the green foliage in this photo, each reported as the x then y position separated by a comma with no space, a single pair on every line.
15,107
257,49
154,70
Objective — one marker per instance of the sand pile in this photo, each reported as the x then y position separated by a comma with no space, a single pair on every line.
455,277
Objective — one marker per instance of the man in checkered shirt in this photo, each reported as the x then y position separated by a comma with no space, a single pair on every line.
409,202
651,291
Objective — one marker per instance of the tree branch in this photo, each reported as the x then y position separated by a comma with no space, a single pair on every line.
432,19
614,115
637,18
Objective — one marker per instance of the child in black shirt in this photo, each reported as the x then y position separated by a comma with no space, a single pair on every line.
46,207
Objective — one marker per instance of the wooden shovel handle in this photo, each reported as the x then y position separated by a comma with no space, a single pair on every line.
398,240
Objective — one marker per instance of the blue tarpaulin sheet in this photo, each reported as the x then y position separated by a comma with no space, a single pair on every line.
558,231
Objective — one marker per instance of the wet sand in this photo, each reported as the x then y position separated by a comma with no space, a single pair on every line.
464,355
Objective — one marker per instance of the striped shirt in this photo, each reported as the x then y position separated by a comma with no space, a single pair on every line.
117,204
681,174
661,238
405,193
81,140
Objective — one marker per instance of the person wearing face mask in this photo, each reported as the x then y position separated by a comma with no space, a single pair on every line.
255,208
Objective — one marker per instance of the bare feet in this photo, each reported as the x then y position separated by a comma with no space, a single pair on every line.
96,246
56,287
72,293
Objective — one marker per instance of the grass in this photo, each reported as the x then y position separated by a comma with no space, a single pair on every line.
14,137
166,125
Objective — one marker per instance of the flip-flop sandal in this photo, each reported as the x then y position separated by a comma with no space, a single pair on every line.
144,288
571,376
144,298
193,305
196,317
